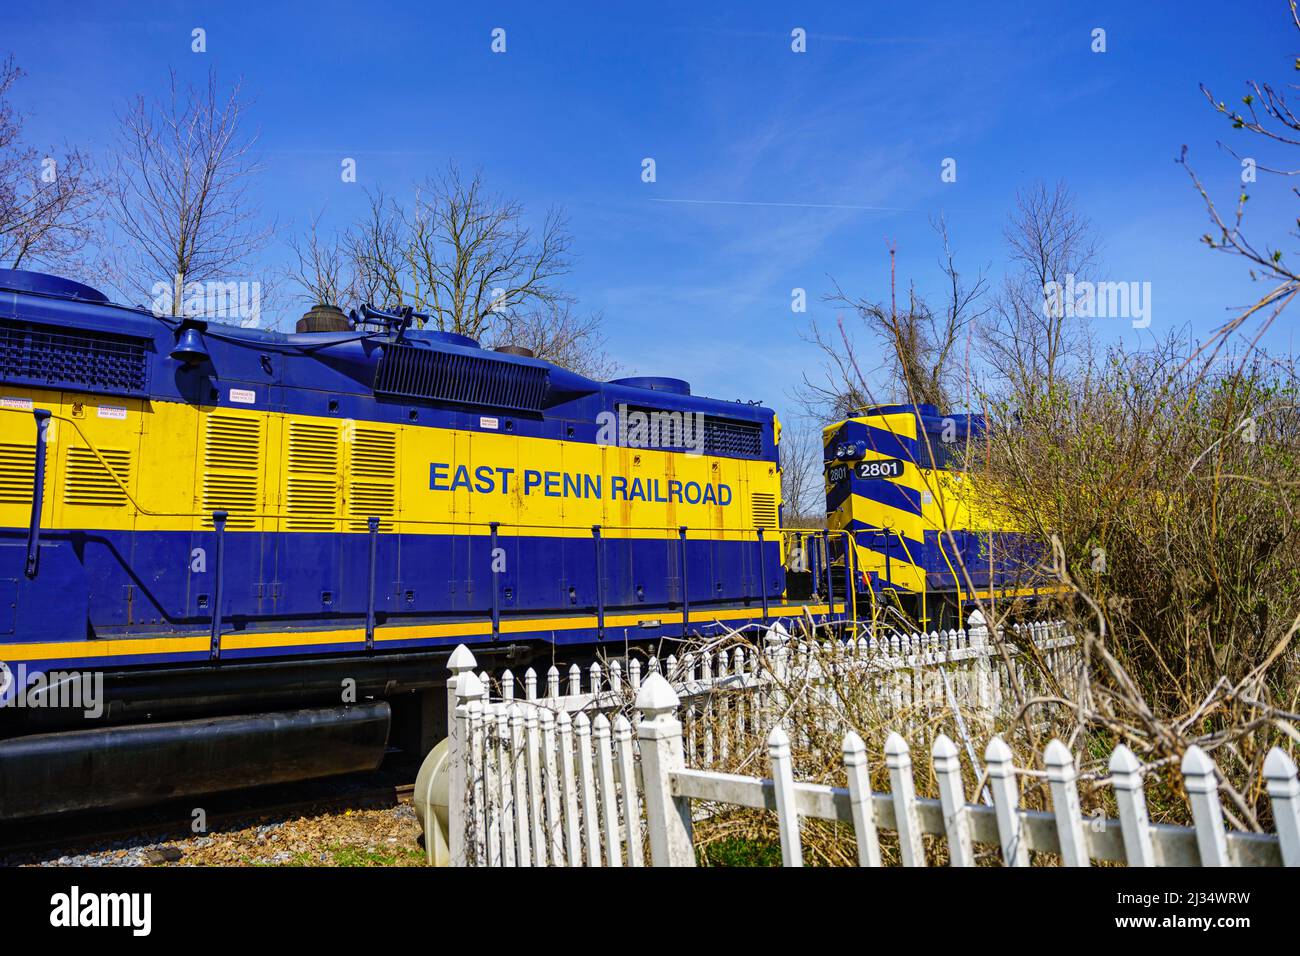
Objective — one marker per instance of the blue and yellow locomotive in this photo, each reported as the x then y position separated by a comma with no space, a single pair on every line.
238,528
921,539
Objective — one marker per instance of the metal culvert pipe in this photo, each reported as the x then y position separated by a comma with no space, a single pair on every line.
432,784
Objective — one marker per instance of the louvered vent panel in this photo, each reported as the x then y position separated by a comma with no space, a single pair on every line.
232,466
313,482
371,500
681,431
372,491
93,361
764,511
735,439
87,482
311,504
406,371
313,448
374,453
17,469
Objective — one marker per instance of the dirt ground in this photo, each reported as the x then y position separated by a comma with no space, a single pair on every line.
386,837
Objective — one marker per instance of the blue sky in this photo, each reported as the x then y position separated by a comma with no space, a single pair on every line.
793,167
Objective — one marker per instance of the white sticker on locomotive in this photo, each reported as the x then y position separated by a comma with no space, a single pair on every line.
488,423
115,412
24,404
243,396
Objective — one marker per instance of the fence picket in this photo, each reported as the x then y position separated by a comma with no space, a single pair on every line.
491,786
1201,778
523,830
587,783
787,814
551,791
534,751
1126,780
898,758
505,773
627,789
1006,802
569,789
952,797
1284,793
476,819
860,799
1062,777
608,799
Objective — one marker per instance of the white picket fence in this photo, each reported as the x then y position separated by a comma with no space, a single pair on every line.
531,787
551,779
743,684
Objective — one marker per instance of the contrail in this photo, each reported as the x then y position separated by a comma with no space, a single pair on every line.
790,205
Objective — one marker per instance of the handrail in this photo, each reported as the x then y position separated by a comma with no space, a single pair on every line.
38,493
888,530
956,581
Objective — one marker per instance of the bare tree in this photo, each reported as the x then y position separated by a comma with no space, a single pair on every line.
321,271
1027,343
458,254
375,246
49,206
802,490
465,259
557,333
180,194
919,348
1270,116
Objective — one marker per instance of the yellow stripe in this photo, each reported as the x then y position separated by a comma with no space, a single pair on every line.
285,472
125,647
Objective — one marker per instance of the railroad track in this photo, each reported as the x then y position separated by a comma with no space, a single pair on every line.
30,841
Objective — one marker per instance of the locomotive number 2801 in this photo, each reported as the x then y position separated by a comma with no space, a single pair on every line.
883,468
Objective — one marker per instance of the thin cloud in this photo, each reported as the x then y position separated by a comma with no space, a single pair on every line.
790,205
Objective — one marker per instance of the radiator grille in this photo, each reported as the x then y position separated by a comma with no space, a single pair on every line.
232,466
17,469
764,510
93,361
406,371
88,482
